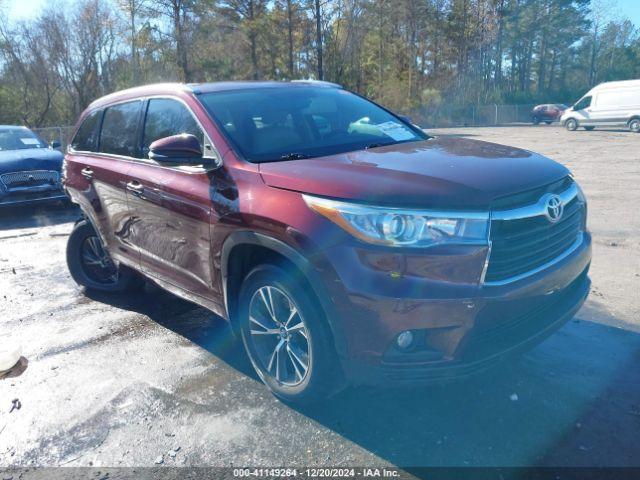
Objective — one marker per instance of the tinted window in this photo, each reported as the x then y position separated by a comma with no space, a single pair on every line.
86,138
119,129
302,122
582,104
166,117
19,139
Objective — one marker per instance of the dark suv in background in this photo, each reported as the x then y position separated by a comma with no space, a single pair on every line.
342,243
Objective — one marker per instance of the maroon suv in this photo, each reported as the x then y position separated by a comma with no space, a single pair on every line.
547,113
342,243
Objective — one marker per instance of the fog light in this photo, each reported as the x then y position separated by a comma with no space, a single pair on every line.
404,339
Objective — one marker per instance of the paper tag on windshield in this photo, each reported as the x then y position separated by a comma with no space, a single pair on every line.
396,131
30,141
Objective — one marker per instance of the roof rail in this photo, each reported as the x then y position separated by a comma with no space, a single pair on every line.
317,82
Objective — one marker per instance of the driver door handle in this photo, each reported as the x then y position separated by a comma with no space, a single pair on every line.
135,188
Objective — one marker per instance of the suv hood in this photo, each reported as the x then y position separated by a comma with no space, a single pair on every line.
437,173
30,159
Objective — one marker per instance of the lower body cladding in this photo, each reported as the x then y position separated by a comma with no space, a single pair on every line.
431,330
25,195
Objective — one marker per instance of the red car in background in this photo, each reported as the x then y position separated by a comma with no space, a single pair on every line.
547,113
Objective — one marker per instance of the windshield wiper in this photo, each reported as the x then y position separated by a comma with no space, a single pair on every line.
294,156
376,145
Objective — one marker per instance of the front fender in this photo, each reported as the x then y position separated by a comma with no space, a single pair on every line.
299,260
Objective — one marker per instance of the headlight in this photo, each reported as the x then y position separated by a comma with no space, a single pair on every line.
398,227
581,195
583,199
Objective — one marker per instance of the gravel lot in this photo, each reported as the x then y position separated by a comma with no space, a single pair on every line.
121,381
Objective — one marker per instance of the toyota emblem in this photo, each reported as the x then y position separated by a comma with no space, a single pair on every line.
554,208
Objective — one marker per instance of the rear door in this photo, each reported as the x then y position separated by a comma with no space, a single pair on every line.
100,166
172,204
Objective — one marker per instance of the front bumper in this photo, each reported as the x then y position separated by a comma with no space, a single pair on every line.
461,328
32,195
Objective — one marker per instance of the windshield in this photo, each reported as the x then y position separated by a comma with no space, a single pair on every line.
19,139
278,124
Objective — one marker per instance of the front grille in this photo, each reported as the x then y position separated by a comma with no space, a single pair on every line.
32,177
520,245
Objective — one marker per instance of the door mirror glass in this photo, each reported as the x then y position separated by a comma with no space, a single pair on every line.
184,148
56,144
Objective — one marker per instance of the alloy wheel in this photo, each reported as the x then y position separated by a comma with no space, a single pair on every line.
96,262
279,336
634,125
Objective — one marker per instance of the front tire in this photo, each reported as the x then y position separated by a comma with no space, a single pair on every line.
571,124
536,120
286,336
91,266
634,125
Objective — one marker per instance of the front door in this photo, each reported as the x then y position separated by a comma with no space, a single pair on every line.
582,111
171,205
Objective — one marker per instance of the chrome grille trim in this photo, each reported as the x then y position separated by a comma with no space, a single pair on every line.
9,179
535,209
531,211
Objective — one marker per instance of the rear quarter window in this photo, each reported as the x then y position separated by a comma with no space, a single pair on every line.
119,135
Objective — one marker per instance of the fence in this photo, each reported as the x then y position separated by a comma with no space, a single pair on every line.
473,115
446,116
50,134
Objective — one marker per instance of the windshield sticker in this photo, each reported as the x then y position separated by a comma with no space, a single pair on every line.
30,141
396,131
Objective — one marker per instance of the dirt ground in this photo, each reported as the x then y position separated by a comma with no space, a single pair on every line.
151,380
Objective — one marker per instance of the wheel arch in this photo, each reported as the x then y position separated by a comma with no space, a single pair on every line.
271,250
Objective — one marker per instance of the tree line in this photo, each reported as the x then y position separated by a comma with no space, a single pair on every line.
409,55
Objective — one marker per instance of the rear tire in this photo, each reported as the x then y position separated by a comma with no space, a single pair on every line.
90,265
571,124
292,353
547,122
634,125
588,129
536,120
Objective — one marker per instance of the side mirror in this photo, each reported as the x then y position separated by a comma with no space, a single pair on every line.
176,149
55,144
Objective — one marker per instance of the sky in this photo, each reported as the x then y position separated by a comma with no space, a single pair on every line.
25,9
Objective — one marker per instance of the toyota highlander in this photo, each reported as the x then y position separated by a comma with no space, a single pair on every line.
343,244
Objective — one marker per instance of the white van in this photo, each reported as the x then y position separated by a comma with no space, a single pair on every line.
608,104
